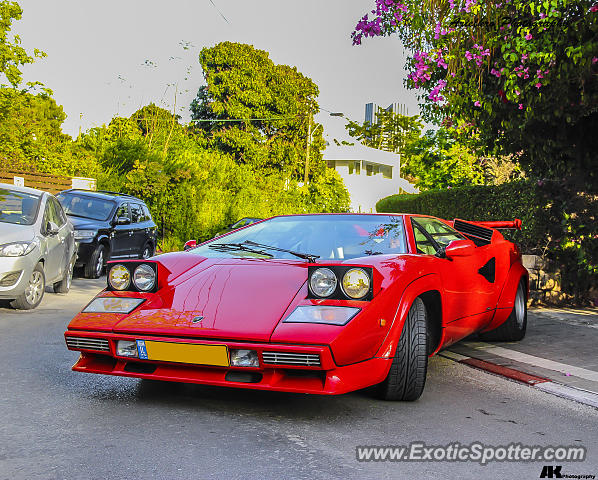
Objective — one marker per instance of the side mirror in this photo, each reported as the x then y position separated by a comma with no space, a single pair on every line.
189,245
51,229
123,221
459,248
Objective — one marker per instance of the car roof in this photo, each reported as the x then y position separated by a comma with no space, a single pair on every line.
32,191
104,194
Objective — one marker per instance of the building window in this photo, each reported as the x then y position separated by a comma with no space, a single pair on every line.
354,168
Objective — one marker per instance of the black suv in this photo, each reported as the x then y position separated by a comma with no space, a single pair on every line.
108,225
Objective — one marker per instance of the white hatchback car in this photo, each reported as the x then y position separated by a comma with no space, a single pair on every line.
37,246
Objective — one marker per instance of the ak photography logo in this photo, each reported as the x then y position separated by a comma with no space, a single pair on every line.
554,471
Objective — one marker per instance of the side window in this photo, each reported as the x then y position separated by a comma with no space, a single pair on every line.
423,243
136,213
60,215
146,213
431,234
50,214
123,211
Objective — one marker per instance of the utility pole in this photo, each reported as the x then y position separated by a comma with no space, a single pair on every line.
307,148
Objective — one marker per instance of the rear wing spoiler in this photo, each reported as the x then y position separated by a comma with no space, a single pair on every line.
509,224
481,233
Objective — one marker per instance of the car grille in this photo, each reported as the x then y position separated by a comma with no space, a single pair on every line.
88,343
287,358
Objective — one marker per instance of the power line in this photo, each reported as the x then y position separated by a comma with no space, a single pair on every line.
218,10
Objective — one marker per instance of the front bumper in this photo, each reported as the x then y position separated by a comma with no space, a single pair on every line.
23,266
327,378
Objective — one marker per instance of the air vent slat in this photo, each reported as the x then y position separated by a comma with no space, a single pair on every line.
296,359
477,231
99,344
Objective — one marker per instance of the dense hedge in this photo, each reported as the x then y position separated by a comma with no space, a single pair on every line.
559,222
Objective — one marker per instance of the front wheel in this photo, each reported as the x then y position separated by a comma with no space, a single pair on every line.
147,252
93,269
33,294
514,327
64,285
407,376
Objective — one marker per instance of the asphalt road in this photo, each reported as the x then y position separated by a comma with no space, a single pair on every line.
58,424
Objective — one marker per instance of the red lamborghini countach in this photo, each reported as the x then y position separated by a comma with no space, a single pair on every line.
324,303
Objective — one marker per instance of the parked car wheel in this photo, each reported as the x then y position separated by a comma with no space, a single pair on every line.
33,294
64,285
147,252
93,269
407,376
513,329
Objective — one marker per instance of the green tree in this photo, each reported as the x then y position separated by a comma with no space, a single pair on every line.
12,55
276,104
392,131
438,160
192,188
523,75
31,136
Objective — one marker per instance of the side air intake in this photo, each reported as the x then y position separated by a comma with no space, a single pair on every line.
479,235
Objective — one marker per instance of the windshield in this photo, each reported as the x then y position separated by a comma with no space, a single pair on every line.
86,206
337,237
19,208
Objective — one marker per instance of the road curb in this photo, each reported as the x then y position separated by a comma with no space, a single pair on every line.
544,384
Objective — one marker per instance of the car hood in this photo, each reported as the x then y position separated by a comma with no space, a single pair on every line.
10,232
86,223
237,299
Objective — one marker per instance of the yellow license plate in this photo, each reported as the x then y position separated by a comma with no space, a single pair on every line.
187,353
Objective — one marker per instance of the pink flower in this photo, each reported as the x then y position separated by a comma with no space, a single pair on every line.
477,103
594,8
538,85
521,106
594,60
528,36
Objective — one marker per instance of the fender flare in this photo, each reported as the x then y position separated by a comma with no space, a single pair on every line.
506,300
104,239
431,281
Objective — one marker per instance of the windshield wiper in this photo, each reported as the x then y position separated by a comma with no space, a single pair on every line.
231,247
307,256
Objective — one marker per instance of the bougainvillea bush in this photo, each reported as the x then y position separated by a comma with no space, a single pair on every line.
523,75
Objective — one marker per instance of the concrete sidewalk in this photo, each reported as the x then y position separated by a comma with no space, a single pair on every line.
561,345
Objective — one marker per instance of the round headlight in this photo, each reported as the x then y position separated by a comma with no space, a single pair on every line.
356,283
119,277
144,277
323,282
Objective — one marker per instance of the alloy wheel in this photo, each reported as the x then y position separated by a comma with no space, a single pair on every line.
100,263
35,289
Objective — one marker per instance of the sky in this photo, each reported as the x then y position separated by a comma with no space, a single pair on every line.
112,57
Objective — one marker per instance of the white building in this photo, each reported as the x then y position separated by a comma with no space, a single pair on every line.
369,174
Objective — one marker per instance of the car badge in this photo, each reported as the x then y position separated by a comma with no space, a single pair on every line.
198,319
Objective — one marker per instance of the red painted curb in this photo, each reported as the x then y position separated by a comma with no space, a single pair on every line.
505,371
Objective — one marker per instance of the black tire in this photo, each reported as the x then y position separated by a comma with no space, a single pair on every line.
93,269
407,376
147,251
515,326
34,293
64,285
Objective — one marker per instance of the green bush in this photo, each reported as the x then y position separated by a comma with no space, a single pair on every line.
559,221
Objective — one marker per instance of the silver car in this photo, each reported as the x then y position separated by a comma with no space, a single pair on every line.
37,246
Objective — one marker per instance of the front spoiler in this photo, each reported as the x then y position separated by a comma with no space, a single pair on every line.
328,379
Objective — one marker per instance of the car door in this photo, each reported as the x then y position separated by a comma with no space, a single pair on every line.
138,224
468,294
53,250
65,235
121,235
